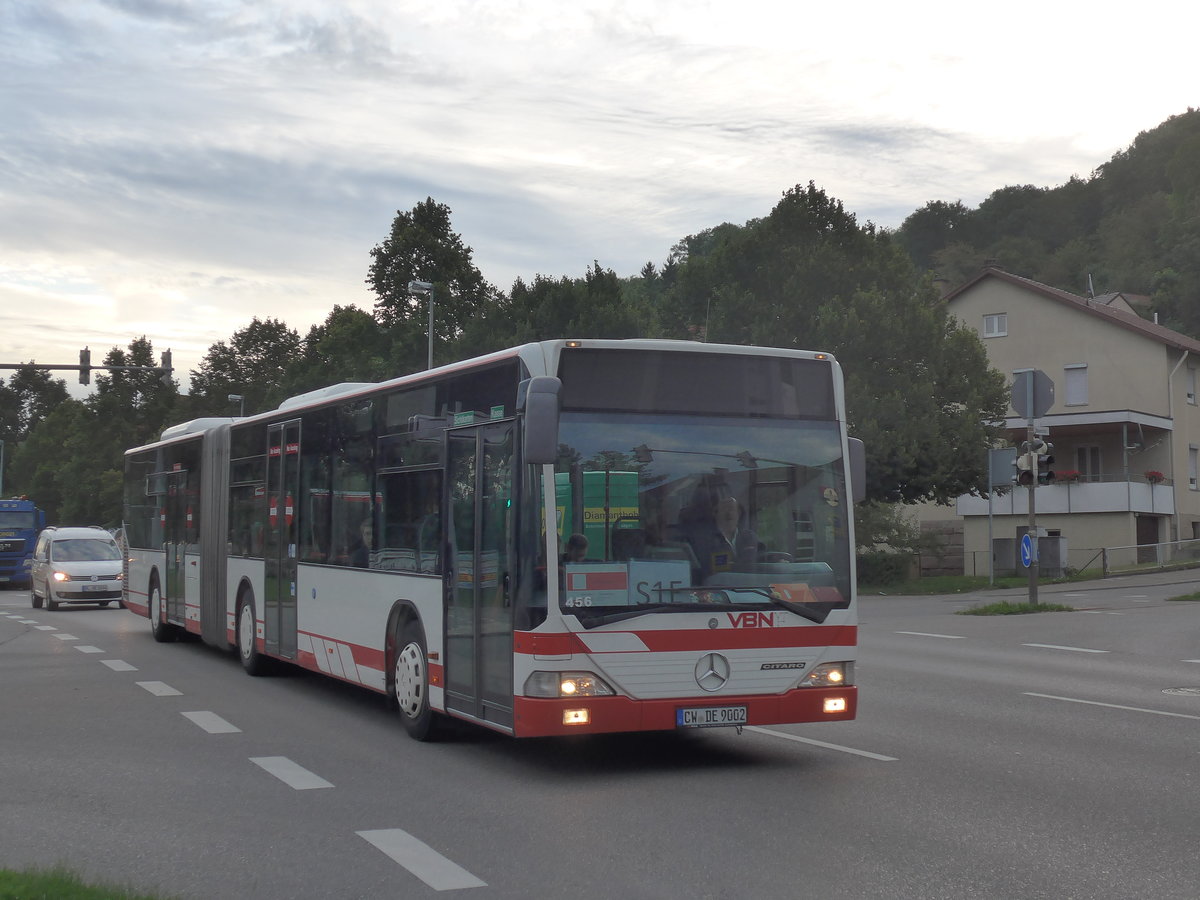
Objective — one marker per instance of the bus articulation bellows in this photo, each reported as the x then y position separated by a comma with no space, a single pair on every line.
565,537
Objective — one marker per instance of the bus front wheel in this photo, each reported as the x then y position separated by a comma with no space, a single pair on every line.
411,684
247,639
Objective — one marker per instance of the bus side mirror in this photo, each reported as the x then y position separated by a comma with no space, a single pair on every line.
858,469
541,419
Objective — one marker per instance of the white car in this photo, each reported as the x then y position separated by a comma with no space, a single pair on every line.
76,565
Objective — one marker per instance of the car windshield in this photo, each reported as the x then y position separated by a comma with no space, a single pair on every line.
85,549
664,513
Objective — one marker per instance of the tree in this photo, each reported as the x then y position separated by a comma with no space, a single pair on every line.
919,391
251,365
423,247
350,345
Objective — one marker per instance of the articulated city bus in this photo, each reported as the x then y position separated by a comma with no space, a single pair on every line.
565,537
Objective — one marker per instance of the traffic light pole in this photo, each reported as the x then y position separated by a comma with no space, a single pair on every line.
1031,438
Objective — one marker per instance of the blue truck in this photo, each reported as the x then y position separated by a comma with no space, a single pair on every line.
20,524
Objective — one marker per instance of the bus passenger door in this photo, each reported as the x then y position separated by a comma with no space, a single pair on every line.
283,487
479,618
175,546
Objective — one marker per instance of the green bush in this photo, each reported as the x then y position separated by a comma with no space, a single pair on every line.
884,568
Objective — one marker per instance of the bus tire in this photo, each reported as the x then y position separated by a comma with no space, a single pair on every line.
410,683
247,639
163,632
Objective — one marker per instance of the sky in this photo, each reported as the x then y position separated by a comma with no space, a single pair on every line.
173,168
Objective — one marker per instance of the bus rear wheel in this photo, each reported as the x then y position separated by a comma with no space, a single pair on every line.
163,631
411,685
247,639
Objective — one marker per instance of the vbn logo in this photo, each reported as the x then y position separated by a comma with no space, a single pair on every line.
751,620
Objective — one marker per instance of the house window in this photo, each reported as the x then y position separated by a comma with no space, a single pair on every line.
1077,388
1193,466
995,325
1087,461
1191,385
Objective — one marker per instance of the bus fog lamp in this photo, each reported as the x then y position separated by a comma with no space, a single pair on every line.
566,684
576,717
835,704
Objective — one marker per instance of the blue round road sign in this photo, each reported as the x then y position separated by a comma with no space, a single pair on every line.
1026,550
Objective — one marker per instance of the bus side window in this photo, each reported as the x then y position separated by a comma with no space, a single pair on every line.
411,521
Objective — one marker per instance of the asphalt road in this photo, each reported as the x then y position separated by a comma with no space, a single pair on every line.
1049,756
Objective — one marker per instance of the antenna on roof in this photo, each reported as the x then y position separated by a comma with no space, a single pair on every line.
1091,288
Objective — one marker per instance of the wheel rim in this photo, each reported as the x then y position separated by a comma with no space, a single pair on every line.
410,680
155,607
245,633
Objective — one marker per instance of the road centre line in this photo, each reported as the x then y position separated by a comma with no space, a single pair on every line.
159,688
421,860
948,637
27,621
63,636
119,665
1058,647
1192,660
88,648
800,740
45,628
211,722
1153,712
291,774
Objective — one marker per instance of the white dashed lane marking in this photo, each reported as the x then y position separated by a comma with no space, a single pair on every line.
211,722
119,665
63,636
88,648
160,689
948,637
421,860
1057,647
290,773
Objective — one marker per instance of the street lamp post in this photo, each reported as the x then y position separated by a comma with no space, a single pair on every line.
241,404
425,287
1,468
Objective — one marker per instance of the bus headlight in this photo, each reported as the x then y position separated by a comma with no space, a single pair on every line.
566,684
830,675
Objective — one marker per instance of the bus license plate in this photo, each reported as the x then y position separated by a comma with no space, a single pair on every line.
710,716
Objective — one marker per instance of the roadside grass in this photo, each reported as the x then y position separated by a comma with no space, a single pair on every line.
1195,595
961,584
59,884
1005,608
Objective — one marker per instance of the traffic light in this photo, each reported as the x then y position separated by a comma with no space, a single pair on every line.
1045,458
85,366
1024,464
166,367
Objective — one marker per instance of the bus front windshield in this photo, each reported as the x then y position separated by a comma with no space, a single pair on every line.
671,513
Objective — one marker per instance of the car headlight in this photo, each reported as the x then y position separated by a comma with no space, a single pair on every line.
830,675
566,684
61,576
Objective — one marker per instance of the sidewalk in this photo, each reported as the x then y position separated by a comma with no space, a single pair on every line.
1187,579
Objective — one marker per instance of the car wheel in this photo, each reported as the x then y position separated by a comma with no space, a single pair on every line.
34,600
411,685
51,603
162,631
247,639
103,603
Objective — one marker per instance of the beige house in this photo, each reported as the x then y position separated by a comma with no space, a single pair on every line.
1124,424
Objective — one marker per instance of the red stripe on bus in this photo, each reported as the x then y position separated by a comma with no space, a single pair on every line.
532,643
542,718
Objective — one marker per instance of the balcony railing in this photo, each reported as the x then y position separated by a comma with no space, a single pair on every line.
1134,494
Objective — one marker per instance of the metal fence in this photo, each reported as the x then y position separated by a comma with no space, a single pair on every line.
1104,562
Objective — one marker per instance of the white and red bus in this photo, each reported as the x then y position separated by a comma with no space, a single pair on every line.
565,537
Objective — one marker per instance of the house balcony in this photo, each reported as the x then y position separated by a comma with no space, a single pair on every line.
1127,495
